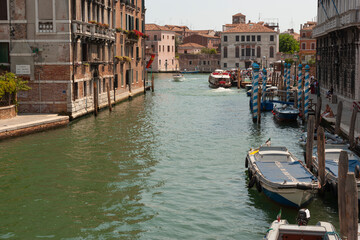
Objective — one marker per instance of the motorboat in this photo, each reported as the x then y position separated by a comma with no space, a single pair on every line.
245,82
281,229
286,113
329,138
219,78
248,87
178,77
280,176
332,155
189,72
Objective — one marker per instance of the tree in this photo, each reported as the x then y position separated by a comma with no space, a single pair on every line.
288,44
10,85
208,50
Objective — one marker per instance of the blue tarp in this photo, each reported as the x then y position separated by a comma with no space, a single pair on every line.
333,167
274,174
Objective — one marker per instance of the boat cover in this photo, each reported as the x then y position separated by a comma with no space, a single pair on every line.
279,172
333,166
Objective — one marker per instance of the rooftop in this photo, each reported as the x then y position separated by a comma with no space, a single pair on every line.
248,28
155,27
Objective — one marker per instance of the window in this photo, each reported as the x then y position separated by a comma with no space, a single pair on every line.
116,83
225,38
303,46
85,88
159,63
225,52
82,10
303,35
173,37
155,37
248,52
109,17
271,38
4,52
248,38
242,52
168,48
313,46
237,38
258,52
243,38
237,65
137,24
159,48
88,11
253,38
190,62
104,88
259,38
225,65
84,52
204,62
271,52
163,36
76,90
253,52
237,52
137,52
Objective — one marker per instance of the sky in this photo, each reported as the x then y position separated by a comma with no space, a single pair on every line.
212,14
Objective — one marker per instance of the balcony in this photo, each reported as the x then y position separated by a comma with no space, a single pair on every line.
93,31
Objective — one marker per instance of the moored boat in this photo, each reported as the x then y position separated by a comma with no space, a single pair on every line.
281,176
189,72
332,155
219,78
245,82
281,229
286,113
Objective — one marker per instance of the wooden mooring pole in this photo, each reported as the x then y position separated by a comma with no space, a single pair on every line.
108,95
351,202
321,156
152,82
342,173
95,99
238,78
318,111
352,128
338,118
310,141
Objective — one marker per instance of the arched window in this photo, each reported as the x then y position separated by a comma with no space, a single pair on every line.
237,52
258,52
271,51
225,52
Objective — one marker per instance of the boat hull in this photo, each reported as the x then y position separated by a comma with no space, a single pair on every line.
285,116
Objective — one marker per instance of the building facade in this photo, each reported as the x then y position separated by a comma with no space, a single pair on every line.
247,43
207,41
68,50
162,43
307,49
338,48
200,62
190,48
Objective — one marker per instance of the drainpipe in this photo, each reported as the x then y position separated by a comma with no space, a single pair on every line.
114,49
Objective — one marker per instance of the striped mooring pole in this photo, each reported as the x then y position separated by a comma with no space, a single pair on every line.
285,75
288,84
255,92
299,85
307,88
264,84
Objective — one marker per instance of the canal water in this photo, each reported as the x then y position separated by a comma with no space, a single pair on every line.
166,165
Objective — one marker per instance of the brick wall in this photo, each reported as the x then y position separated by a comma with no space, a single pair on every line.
7,112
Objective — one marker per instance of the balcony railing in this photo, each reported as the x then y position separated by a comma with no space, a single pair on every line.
46,26
94,31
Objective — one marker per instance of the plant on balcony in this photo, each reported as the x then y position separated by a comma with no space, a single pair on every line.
118,30
133,35
105,25
92,22
10,85
119,58
126,59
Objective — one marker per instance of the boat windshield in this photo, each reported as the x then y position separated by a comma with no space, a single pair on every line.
272,156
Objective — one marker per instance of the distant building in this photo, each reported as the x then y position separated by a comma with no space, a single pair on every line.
307,42
190,48
337,36
204,40
293,33
244,44
201,62
161,41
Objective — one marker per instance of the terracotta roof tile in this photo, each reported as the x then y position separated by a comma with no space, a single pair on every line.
155,27
248,28
194,45
239,15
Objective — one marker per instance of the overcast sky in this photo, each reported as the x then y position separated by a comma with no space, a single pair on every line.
212,14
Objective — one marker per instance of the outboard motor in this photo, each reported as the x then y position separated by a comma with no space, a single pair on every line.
303,217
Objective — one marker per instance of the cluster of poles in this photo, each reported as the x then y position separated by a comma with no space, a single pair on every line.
258,93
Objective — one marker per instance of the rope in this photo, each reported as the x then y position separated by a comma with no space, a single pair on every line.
324,10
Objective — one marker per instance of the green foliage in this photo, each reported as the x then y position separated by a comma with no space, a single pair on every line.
11,84
288,44
311,61
289,60
208,51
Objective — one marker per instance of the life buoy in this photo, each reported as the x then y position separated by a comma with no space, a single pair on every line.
251,182
258,185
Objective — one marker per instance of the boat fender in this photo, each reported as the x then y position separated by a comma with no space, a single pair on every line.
251,182
258,184
246,162
357,171
303,187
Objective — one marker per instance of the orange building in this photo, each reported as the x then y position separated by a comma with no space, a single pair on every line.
307,42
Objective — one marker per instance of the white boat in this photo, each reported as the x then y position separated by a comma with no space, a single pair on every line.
332,155
178,77
219,78
281,229
281,176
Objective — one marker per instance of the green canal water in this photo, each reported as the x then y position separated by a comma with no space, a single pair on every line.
166,165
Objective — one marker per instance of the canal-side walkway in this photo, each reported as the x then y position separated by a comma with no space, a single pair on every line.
345,118
24,124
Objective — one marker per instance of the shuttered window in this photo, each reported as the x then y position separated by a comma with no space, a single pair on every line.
4,52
